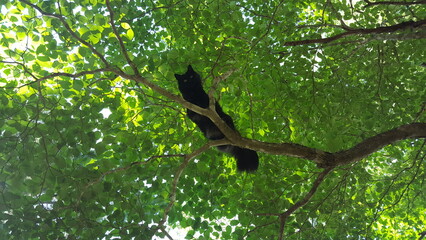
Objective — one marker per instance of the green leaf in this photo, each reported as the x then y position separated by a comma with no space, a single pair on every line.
130,34
89,147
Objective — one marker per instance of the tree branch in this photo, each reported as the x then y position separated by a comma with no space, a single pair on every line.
360,31
369,4
372,144
302,202
57,74
218,79
184,164
76,75
125,168
67,26
321,158
120,41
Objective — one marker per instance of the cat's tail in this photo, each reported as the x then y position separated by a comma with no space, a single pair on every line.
247,159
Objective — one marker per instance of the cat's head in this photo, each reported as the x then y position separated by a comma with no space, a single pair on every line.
189,77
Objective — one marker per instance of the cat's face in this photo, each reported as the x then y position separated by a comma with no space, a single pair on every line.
189,77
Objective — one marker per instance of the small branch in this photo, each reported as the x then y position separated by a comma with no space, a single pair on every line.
258,14
67,26
212,90
389,29
76,75
187,159
261,226
369,4
422,110
23,66
302,202
122,169
53,75
268,28
120,41
150,11
166,233
219,79
323,25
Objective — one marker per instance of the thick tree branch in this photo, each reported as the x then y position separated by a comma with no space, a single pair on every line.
360,31
321,158
372,144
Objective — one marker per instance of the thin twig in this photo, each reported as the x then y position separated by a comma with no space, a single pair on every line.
184,164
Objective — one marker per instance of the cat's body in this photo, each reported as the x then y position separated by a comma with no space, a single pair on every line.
192,91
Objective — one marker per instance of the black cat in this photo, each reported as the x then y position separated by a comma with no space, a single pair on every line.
192,91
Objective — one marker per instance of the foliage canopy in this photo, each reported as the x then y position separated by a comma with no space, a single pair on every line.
95,143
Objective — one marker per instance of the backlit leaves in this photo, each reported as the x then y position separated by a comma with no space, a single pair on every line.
92,155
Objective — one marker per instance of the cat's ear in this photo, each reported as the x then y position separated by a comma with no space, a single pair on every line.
190,69
177,76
